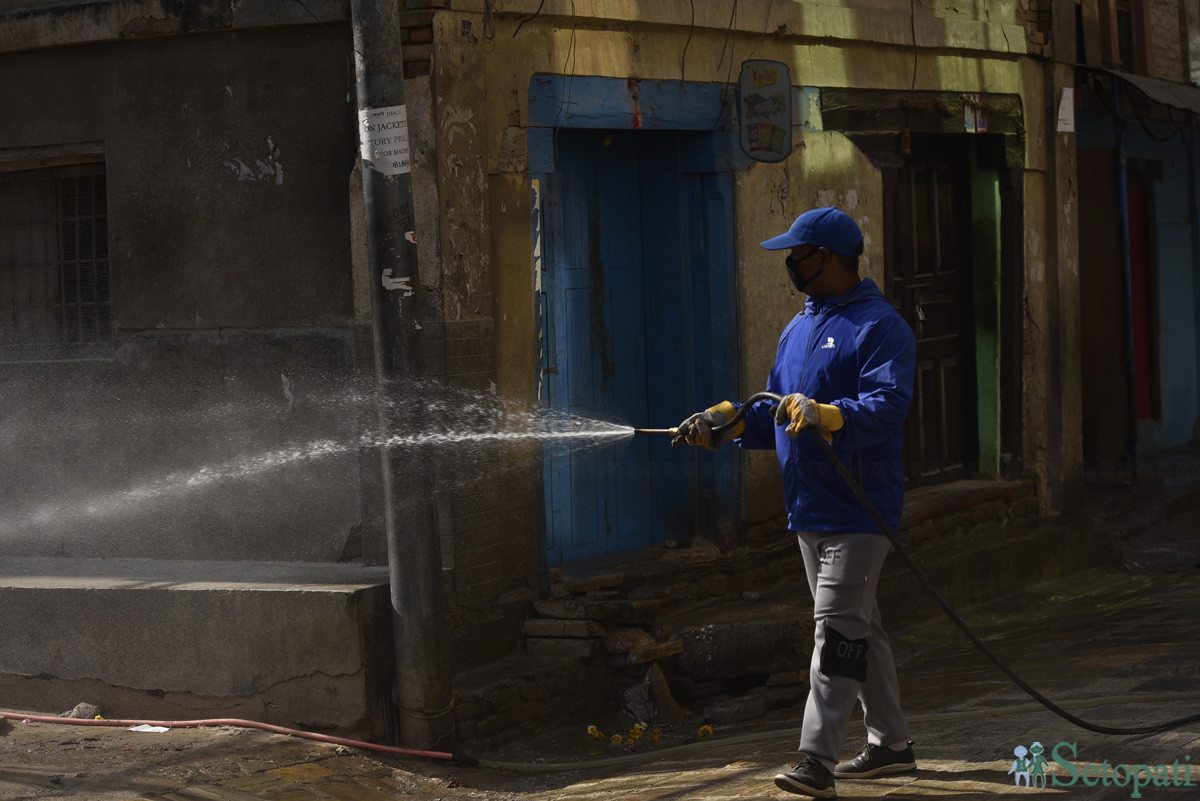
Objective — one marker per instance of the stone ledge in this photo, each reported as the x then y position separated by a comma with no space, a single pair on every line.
295,644
925,503
183,574
565,650
567,629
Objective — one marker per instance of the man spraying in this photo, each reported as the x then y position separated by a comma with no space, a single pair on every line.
844,366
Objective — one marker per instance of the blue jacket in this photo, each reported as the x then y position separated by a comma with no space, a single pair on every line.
858,353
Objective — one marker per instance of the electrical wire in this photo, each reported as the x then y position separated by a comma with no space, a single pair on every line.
725,90
489,22
527,19
728,31
861,494
688,41
565,100
306,8
763,35
912,22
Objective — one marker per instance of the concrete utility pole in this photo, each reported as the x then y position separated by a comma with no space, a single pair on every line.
398,304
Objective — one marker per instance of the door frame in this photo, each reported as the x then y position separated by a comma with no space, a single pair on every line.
882,124
708,157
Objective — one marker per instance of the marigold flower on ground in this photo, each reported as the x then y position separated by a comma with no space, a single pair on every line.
592,730
705,731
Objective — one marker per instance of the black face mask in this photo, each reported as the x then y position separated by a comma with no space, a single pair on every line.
793,269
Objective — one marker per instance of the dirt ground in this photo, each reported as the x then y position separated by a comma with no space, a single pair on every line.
43,761
49,761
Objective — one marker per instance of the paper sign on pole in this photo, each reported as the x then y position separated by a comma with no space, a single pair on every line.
384,137
1066,110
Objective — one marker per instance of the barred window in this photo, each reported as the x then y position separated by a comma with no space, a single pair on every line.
54,273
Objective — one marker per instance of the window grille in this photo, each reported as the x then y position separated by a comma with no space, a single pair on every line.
54,272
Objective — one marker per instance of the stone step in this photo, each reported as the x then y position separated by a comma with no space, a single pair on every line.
306,645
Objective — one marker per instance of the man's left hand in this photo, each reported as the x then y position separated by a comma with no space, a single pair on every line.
798,411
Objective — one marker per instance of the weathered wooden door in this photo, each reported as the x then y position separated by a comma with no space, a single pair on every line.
624,341
929,279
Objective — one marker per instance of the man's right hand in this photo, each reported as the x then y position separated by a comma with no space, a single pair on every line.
698,429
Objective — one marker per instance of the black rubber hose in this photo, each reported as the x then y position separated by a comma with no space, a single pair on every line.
737,418
861,494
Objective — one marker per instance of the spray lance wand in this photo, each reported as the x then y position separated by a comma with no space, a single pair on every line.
886,529
723,427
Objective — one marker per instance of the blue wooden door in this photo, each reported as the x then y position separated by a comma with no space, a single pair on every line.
620,341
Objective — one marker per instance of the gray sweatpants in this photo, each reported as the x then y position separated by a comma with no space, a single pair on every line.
843,575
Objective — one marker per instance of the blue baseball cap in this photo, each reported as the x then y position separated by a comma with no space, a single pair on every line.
829,228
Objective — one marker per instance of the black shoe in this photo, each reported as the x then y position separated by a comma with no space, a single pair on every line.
809,777
877,760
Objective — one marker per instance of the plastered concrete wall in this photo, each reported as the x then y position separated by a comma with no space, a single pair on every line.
292,644
1037,340
867,46
1166,41
1051,356
224,424
491,526
481,106
825,169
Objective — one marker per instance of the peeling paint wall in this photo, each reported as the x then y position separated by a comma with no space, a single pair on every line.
481,79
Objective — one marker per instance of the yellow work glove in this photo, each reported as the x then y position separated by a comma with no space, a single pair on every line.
698,429
797,411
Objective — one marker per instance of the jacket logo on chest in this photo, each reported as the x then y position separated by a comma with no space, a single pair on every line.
829,343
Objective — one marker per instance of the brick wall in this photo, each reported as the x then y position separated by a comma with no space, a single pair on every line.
416,35
488,536
1035,14
470,479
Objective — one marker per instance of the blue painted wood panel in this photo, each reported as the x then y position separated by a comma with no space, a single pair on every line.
609,103
622,272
